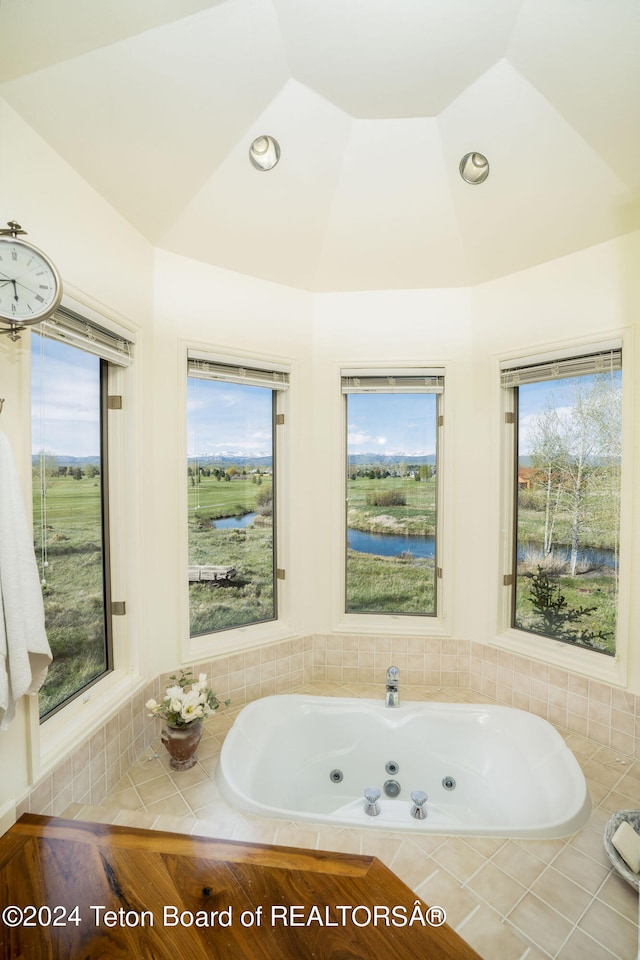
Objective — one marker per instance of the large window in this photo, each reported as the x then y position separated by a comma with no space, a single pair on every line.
69,374
232,416
393,424
567,414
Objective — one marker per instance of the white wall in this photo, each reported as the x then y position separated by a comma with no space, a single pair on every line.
204,307
590,295
420,327
102,261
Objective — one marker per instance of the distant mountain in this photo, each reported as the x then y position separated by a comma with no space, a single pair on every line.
65,460
230,460
386,460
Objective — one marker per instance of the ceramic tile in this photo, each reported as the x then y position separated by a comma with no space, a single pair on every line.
542,888
540,924
562,894
580,868
484,931
580,946
459,858
519,863
498,890
610,929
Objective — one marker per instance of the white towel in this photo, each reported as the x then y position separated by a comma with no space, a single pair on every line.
25,653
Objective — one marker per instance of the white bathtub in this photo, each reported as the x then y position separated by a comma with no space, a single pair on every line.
310,758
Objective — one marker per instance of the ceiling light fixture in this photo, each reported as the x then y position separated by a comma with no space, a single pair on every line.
474,168
264,153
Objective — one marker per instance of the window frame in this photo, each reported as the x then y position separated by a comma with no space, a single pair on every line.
61,729
232,639
410,625
111,348
537,647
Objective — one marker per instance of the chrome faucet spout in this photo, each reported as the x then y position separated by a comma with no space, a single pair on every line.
392,688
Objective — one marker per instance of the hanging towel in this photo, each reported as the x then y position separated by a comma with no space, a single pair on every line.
25,653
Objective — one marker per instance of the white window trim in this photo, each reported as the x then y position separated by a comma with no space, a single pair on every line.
371,624
55,735
251,635
588,663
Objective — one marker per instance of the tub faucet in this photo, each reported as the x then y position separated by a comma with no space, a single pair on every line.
392,693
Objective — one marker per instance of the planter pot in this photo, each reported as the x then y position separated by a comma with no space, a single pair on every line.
182,743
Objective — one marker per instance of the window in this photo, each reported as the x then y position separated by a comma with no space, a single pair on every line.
393,424
567,415
232,411
70,361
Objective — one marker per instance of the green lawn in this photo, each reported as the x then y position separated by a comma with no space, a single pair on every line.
249,597
71,533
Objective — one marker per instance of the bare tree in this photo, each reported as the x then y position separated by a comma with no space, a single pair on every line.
576,444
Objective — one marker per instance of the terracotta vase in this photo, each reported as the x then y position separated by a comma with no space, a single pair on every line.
182,743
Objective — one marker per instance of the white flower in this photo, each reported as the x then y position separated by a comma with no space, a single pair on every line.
176,705
151,704
174,693
192,708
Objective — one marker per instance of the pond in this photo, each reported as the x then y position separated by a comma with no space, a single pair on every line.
390,545
589,556
229,523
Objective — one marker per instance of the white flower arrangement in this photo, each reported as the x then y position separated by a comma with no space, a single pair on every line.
185,701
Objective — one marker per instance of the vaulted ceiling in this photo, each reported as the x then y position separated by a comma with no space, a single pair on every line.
373,102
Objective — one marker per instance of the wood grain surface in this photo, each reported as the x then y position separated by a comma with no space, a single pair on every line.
82,891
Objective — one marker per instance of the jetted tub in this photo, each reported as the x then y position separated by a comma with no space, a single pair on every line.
488,770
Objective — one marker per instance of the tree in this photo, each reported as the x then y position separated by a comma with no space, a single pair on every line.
575,446
545,456
44,469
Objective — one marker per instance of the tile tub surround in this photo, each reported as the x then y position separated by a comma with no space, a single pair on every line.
512,900
92,769
594,710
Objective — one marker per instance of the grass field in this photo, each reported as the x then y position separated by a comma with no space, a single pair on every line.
593,587
417,516
391,585
74,589
71,534
250,596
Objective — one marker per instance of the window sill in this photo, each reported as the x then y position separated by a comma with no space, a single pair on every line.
82,717
588,663
224,642
400,626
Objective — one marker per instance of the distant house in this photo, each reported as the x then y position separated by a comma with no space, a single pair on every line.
524,478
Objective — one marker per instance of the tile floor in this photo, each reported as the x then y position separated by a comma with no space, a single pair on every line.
510,899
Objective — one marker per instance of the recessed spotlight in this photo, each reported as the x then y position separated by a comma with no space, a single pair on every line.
474,168
264,153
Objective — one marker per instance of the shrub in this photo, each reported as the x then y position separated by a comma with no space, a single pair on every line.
387,498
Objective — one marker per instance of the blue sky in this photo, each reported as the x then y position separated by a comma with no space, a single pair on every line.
393,424
67,381
228,418
533,398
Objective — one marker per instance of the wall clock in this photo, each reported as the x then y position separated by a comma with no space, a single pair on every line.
30,285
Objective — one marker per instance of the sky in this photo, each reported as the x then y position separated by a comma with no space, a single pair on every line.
391,424
228,418
65,385
533,398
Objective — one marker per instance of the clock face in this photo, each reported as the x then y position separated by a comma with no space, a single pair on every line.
30,287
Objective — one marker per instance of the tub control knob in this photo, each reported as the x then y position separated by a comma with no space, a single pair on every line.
371,796
419,798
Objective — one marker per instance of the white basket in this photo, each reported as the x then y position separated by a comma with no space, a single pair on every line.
632,817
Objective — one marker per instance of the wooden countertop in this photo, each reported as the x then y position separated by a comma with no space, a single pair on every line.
72,890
